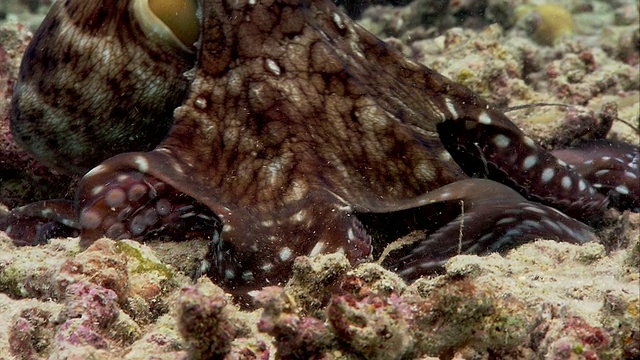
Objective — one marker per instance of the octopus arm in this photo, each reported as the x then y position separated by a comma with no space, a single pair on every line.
612,168
36,223
485,143
473,216
250,245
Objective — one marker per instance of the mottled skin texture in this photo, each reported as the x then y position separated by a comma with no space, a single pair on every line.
301,134
87,71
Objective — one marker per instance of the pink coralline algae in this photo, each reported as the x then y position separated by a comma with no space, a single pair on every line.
91,303
102,263
204,322
92,322
366,317
30,334
377,328
576,339
295,336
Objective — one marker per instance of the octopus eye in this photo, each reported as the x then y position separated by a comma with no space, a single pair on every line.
174,21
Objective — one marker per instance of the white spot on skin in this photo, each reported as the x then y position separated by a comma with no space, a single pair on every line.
529,162
266,267
484,118
227,228
142,163
510,234
407,271
566,229
437,111
299,216
200,103
122,178
606,158
204,266
561,163
622,189
601,172
530,143
630,175
356,49
451,107
252,2
267,223
432,264
547,175
317,249
274,172
485,237
445,156
566,182
106,56
582,185
297,191
285,254
247,276
552,224
229,274
530,224
351,235
338,21
97,190
501,141
273,67
506,220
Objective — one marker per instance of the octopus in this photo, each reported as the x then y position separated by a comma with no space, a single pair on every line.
281,128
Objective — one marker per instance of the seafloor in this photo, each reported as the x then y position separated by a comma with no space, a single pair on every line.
545,300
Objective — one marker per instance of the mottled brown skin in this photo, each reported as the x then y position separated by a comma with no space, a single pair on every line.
301,134
85,73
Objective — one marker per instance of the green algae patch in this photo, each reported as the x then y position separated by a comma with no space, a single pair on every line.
27,271
144,262
11,284
149,280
